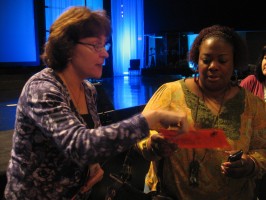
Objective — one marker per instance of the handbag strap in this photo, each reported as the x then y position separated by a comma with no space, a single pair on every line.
126,173
119,180
122,179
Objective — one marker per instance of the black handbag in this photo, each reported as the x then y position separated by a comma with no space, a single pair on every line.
122,189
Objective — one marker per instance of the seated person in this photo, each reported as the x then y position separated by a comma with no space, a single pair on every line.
256,83
58,140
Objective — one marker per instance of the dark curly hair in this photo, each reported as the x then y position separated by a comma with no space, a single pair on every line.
75,23
258,71
230,36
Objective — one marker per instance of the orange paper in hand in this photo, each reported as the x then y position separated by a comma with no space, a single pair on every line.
200,138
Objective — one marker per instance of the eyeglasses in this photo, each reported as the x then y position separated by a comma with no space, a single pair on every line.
97,47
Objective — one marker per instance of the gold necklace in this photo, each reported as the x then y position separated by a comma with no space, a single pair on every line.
76,101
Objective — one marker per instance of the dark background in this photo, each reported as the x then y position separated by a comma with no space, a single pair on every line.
193,15
173,19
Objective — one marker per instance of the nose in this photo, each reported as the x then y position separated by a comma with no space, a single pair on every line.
104,53
213,65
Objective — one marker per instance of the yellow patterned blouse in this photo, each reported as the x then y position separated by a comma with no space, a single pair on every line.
243,118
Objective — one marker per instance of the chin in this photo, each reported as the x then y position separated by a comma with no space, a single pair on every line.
98,76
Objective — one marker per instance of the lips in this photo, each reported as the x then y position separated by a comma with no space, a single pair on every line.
99,65
213,78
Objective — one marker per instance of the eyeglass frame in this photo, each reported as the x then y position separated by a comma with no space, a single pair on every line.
96,47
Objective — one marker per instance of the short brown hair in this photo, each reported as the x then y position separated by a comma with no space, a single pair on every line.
75,23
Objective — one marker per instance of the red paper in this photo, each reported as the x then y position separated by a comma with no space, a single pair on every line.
201,138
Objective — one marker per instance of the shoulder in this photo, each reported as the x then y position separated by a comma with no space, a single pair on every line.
251,98
44,88
249,79
168,88
45,80
173,85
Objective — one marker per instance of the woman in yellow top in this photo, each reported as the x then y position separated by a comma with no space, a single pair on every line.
211,100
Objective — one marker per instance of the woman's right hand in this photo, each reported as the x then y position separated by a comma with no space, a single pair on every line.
161,118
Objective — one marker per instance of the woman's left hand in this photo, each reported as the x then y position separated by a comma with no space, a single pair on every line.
240,168
161,146
96,175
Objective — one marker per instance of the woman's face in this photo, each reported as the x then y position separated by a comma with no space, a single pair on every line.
86,60
263,65
216,64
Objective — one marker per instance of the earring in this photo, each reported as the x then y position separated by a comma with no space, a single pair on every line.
234,78
196,75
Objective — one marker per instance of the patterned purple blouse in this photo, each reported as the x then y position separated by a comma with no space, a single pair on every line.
52,147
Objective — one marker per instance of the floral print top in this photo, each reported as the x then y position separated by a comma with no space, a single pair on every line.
52,147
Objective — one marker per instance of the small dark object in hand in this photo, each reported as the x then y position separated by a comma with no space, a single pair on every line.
236,156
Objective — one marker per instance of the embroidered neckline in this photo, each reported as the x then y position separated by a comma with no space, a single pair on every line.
228,113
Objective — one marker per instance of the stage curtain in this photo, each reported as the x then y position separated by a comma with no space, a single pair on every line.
128,34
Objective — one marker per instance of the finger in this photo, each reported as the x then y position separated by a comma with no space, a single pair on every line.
184,125
242,162
158,137
223,170
236,164
173,119
234,170
93,180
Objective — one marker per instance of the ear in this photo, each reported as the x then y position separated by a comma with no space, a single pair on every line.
234,78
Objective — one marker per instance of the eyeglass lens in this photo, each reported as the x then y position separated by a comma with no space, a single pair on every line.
107,46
